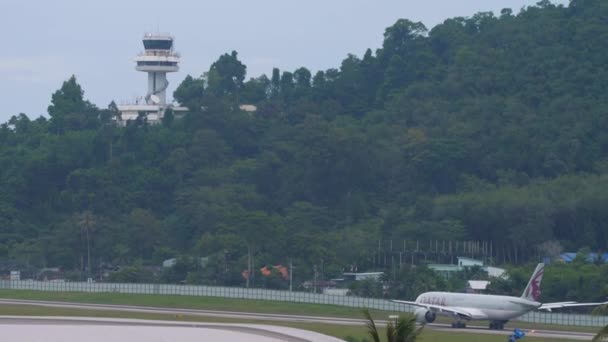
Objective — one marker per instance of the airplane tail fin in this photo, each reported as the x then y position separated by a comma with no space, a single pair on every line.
532,291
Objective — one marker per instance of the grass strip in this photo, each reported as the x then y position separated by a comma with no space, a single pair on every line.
357,332
239,305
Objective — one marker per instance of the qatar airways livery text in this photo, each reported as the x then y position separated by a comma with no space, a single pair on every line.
496,309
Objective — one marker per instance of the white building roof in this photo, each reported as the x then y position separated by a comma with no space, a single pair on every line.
248,108
496,272
464,261
138,108
478,284
364,275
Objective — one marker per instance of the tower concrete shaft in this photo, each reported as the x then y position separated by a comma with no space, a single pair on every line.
157,85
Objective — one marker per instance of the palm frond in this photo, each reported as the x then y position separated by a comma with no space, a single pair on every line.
372,330
601,310
602,335
391,331
406,330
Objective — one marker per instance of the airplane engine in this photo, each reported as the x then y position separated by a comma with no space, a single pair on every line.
424,316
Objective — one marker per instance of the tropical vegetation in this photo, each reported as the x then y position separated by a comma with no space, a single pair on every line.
491,128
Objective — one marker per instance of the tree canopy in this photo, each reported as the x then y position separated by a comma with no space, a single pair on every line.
490,127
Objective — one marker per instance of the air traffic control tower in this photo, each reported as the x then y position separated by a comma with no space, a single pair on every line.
157,59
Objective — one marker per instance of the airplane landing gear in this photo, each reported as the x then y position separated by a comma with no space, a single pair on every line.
497,325
459,325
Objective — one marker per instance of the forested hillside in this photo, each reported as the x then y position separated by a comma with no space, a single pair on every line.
489,128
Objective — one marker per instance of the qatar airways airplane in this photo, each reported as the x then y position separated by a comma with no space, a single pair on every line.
496,309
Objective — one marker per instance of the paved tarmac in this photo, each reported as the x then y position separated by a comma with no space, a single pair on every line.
267,317
72,329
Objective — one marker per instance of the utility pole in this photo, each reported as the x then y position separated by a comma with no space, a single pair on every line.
322,269
314,284
290,275
88,253
248,264
87,222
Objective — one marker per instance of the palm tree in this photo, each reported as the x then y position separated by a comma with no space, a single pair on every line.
86,221
402,329
602,335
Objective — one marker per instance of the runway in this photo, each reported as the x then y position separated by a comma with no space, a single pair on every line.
582,336
72,329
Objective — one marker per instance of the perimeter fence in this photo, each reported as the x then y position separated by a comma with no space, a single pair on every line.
565,319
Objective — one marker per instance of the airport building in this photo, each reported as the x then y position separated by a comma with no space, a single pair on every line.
446,270
157,59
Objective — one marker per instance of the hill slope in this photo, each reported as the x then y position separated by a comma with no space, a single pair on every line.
483,128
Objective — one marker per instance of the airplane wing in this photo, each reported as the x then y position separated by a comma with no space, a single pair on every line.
463,313
560,305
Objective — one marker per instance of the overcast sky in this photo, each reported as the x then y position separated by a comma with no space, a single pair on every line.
44,42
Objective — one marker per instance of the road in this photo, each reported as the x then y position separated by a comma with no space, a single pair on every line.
283,318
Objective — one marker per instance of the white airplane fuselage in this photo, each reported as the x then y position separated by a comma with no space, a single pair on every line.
481,306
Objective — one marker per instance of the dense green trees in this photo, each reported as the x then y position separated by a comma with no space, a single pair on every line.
69,110
580,281
487,128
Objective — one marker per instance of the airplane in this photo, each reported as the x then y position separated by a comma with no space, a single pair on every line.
496,309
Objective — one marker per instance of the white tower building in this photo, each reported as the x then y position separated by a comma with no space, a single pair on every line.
157,59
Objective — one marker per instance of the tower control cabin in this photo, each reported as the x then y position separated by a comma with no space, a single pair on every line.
157,59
